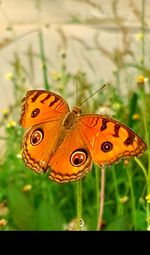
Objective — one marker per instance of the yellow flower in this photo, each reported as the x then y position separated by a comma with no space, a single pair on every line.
3,209
116,106
19,155
139,37
5,111
27,188
135,116
9,76
123,200
11,124
140,80
3,223
148,228
148,198
126,162
55,75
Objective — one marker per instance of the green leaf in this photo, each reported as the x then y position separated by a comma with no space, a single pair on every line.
117,223
140,220
50,217
21,209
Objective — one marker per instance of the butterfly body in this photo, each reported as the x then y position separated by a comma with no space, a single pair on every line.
67,125
67,141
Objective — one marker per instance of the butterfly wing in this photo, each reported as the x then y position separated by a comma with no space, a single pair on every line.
72,160
109,140
39,143
43,112
40,106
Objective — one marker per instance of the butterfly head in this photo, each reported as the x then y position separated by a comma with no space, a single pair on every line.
72,117
76,110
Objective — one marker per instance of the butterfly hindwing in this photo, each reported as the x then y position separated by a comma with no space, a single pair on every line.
72,160
39,143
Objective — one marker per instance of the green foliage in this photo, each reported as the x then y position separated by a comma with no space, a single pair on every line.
21,209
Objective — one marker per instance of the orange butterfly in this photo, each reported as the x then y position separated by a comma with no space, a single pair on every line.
67,141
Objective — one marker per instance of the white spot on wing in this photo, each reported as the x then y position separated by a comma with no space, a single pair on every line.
93,140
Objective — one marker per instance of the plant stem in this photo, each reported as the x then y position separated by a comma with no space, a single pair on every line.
132,197
79,203
148,145
43,60
116,189
3,138
97,177
142,168
143,34
117,76
144,105
102,195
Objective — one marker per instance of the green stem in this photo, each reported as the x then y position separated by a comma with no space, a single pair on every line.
144,105
147,175
132,197
43,59
148,151
102,196
143,34
97,178
3,138
117,74
116,189
142,168
79,203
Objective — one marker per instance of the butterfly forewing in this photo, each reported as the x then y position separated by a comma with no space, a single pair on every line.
41,106
44,112
109,140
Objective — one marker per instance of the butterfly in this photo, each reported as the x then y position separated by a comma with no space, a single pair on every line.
67,142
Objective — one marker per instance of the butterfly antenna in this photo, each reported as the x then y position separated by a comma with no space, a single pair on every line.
93,94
